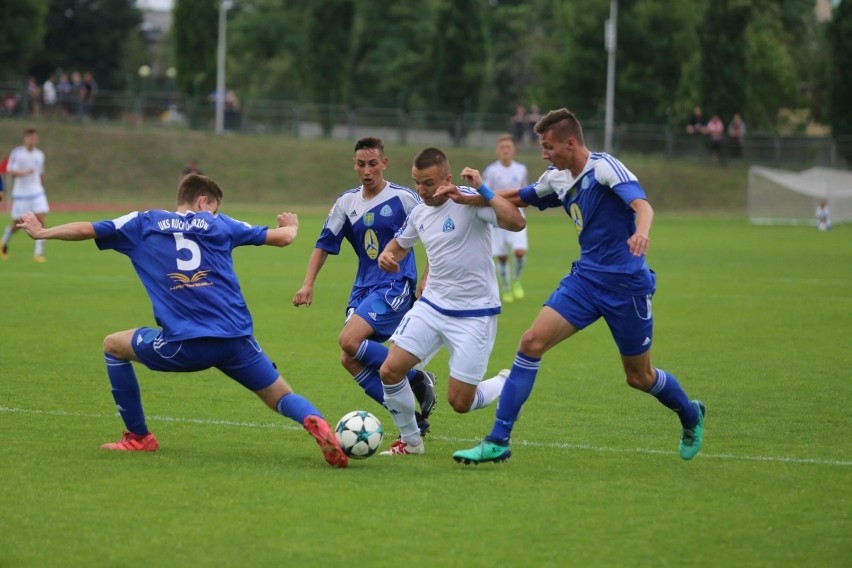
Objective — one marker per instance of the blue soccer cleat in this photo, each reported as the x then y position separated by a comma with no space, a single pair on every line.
485,452
692,438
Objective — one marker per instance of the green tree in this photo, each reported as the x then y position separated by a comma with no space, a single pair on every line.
266,41
21,29
723,50
514,36
458,56
389,59
327,59
89,35
195,29
770,77
840,97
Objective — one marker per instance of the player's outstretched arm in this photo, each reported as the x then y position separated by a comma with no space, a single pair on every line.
639,242
77,231
390,257
285,233
305,295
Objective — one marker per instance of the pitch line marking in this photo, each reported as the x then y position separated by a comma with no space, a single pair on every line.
516,442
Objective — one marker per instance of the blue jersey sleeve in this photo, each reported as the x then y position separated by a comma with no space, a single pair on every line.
629,191
243,233
121,234
529,195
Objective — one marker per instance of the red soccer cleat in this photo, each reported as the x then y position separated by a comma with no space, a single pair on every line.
322,433
131,442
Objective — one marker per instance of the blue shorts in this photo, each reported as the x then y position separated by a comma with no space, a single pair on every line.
383,308
240,358
581,302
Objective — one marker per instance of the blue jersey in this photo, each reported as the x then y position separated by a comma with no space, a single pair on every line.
369,225
184,262
598,202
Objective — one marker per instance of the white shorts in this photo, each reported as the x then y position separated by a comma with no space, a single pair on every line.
504,243
21,205
424,330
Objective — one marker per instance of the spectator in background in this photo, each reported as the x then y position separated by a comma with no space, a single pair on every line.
715,129
63,95
823,216
76,100
232,111
736,133
88,92
48,93
518,124
696,124
533,117
33,97
191,168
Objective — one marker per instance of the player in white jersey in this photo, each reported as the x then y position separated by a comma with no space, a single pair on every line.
26,166
368,217
506,173
459,305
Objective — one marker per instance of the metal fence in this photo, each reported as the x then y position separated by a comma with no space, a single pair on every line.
170,109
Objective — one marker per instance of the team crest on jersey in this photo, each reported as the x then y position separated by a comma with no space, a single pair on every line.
577,216
449,226
585,182
194,281
386,211
369,218
371,244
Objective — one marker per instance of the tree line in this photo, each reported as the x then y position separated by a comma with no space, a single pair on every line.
753,57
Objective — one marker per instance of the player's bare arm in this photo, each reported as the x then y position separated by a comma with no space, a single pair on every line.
285,233
77,231
391,256
639,241
509,217
305,295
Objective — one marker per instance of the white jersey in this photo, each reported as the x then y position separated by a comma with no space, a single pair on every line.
497,176
457,239
27,186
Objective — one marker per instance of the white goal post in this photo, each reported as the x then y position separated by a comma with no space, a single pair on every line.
782,196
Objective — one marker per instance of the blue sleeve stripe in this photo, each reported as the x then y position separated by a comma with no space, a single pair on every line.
403,188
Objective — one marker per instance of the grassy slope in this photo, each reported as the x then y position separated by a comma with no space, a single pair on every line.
140,166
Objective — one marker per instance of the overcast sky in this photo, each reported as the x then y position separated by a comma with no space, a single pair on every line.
155,4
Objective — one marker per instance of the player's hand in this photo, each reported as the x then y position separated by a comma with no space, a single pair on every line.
638,244
304,296
387,263
30,223
451,191
472,177
287,219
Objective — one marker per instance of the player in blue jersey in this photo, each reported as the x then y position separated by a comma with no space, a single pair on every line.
611,280
368,217
184,260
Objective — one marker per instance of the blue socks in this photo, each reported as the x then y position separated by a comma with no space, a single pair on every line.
297,408
372,354
668,391
125,392
515,393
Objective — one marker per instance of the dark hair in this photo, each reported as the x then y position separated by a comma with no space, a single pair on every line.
563,122
193,186
30,131
430,157
370,143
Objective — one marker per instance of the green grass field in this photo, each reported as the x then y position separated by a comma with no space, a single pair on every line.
756,321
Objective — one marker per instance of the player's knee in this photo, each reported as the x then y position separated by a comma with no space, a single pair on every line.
532,345
349,344
459,404
111,345
640,380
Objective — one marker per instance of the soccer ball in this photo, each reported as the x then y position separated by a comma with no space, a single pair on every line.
360,434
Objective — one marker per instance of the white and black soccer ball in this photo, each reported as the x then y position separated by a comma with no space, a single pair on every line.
360,434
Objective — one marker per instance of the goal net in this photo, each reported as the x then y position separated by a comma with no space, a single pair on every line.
781,196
